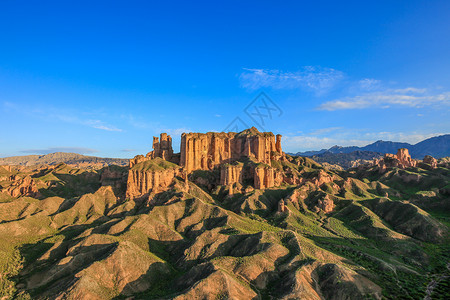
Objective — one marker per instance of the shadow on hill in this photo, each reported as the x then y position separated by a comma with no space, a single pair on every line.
72,185
38,272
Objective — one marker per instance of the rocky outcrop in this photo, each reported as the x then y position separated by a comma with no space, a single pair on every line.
400,160
405,159
22,187
321,178
137,159
162,147
325,204
282,206
430,160
264,177
231,174
204,151
152,176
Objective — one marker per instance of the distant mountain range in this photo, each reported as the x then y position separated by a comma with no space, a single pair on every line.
346,160
62,157
437,147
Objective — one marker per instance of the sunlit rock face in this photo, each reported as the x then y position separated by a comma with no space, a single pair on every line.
400,160
204,151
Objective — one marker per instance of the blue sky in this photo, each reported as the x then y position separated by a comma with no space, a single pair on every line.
103,77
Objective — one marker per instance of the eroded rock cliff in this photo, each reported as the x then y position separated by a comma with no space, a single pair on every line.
204,151
151,176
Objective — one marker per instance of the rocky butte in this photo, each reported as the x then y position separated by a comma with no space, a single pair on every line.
237,157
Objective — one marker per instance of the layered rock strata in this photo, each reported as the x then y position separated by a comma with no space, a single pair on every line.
231,174
204,151
151,176
264,177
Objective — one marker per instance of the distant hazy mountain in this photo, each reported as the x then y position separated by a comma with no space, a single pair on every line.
438,147
61,157
345,160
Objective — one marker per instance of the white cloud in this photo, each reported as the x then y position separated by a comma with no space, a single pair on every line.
314,78
410,97
324,130
411,90
97,124
369,84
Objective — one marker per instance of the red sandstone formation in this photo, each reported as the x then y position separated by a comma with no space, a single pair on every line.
401,160
405,159
231,174
161,148
264,177
321,178
325,204
204,151
137,159
245,156
430,160
150,177
22,187
282,206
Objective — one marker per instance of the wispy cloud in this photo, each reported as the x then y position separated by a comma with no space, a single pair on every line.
52,113
79,150
410,97
128,150
324,130
358,93
369,84
100,125
317,79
